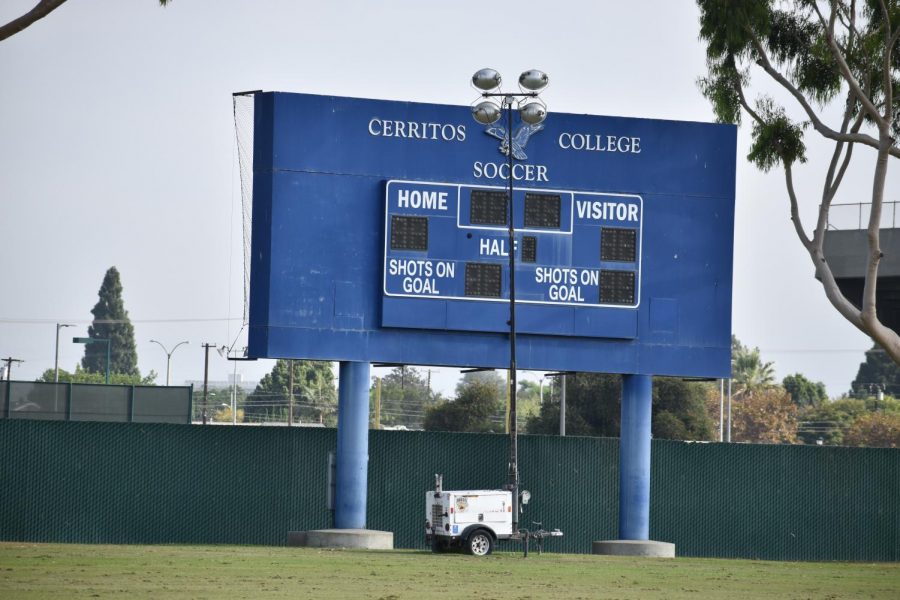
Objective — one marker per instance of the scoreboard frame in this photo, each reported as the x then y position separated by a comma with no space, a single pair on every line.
320,235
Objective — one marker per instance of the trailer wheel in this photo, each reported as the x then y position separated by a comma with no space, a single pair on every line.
480,543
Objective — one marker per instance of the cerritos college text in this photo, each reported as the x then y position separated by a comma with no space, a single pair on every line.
447,132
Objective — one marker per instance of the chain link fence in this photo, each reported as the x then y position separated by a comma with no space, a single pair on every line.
94,482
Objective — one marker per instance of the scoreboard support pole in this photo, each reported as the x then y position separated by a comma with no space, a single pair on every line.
634,476
634,458
352,457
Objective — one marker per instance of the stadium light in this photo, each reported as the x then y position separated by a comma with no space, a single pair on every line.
487,110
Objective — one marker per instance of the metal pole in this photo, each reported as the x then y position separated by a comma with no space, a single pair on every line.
728,431
291,394
56,359
206,348
108,344
513,428
169,357
506,416
378,403
562,406
721,408
233,395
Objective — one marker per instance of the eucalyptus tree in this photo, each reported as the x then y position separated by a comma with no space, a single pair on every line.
843,52
40,10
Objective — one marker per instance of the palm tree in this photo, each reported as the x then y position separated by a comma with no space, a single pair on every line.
748,370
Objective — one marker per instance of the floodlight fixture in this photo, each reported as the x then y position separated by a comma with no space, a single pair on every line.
533,80
486,113
533,113
486,79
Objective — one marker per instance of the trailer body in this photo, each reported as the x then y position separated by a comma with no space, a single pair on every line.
454,518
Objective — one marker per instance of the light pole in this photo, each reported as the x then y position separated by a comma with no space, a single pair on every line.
56,359
532,111
90,340
169,357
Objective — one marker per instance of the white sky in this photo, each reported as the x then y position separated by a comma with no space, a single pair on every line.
117,148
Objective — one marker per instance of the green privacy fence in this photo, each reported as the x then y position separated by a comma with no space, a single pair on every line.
38,400
160,483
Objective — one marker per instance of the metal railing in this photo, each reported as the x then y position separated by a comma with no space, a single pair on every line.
855,216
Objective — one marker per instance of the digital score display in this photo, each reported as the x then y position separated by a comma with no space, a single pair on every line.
589,245
483,279
409,233
618,244
529,249
542,210
616,287
489,208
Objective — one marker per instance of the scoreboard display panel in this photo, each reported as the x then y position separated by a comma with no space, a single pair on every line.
564,264
380,234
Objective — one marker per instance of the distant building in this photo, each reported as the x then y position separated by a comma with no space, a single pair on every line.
846,250
247,386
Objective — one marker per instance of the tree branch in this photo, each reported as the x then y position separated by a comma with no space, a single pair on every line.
871,283
795,211
818,125
43,8
832,183
743,100
834,295
844,68
886,65
843,169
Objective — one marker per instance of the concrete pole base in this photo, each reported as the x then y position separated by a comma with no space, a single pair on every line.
634,548
368,539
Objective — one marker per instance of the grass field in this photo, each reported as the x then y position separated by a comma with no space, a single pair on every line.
59,571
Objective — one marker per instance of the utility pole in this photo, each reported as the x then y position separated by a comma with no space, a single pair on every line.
9,361
206,348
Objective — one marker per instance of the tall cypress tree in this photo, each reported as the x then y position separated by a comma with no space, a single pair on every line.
111,322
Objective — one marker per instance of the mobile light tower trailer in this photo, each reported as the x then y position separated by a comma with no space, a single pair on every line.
475,520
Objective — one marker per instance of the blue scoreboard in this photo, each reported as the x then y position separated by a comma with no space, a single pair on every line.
380,234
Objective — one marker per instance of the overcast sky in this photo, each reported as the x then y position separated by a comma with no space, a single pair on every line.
117,148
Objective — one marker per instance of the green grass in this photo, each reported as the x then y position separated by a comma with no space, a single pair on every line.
57,571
